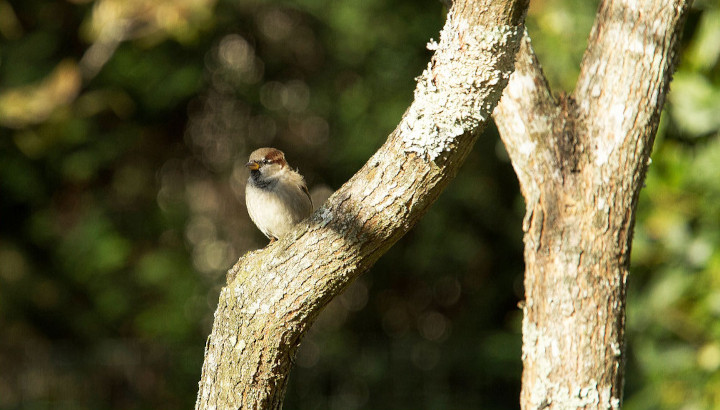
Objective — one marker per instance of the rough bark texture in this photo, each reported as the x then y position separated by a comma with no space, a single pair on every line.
581,163
274,294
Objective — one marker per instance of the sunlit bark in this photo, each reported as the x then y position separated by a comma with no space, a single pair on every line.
581,161
273,295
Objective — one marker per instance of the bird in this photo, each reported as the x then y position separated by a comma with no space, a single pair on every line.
276,196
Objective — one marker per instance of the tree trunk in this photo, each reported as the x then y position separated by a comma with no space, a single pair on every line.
581,162
274,294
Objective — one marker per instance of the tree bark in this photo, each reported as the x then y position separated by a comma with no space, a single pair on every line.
274,294
581,162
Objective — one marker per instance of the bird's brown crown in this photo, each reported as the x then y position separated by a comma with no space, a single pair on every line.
272,155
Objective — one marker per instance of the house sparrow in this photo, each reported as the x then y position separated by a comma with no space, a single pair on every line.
276,196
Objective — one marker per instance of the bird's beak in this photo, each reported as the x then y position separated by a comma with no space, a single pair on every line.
253,166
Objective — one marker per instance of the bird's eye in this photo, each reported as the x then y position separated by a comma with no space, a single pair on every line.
266,161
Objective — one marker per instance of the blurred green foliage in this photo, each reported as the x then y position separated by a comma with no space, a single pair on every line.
125,127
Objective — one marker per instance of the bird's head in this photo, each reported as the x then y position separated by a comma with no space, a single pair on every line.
266,163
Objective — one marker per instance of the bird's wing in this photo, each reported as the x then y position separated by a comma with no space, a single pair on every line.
305,189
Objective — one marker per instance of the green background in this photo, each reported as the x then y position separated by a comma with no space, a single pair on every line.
121,205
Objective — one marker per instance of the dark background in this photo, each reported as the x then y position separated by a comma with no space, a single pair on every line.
124,129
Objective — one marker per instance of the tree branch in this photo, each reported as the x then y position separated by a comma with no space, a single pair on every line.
581,163
274,294
527,117
624,77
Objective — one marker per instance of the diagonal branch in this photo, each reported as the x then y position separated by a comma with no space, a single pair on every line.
273,295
